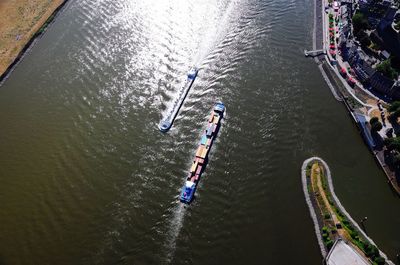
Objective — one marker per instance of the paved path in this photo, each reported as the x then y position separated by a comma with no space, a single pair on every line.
317,174
313,215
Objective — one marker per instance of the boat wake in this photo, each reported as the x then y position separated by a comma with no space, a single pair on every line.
216,36
174,226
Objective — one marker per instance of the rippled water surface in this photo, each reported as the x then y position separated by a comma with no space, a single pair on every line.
87,178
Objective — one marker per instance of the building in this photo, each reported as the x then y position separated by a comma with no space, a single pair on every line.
384,55
350,5
388,19
364,71
381,83
395,91
348,49
344,254
375,11
390,37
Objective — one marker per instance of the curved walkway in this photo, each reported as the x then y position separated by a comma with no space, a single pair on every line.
336,201
317,228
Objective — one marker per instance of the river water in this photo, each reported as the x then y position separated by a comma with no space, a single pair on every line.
87,178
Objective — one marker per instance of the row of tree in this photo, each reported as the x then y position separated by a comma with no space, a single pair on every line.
393,143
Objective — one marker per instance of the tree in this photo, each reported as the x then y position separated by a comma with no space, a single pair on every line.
395,114
376,125
386,69
395,61
394,106
380,260
365,41
392,143
360,22
396,158
373,120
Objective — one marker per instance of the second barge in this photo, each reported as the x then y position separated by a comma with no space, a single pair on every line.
200,159
166,123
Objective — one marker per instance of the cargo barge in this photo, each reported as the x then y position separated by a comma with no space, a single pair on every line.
201,157
167,122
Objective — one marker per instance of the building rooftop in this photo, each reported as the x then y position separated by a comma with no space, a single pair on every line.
343,253
385,54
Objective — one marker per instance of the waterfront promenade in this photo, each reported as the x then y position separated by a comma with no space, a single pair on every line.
361,103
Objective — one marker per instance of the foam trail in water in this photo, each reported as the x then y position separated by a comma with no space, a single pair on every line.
174,227
214,37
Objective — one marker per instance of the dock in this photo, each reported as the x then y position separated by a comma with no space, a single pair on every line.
314,53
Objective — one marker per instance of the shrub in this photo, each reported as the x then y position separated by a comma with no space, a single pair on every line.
386,69
353,234
371,251
329,244
379,260
350,227
360,22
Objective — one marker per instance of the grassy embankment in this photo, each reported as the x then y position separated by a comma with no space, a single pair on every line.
331,216
20,20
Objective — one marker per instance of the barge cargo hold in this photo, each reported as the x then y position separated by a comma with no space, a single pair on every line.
166,123
201,156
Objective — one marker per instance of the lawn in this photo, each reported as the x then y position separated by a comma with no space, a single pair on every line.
19,21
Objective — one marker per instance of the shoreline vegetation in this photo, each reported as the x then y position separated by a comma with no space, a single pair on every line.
361,104
21,23
332,222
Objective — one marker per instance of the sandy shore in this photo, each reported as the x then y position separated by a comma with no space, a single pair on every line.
19,22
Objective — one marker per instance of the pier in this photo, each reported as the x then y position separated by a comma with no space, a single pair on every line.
314,53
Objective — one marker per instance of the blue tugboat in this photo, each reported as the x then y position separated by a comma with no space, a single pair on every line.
166,123
201,157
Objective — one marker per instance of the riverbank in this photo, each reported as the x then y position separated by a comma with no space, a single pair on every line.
331,220
361,104
21,22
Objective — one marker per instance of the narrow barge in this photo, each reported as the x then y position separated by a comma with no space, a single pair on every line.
201,157
167,122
